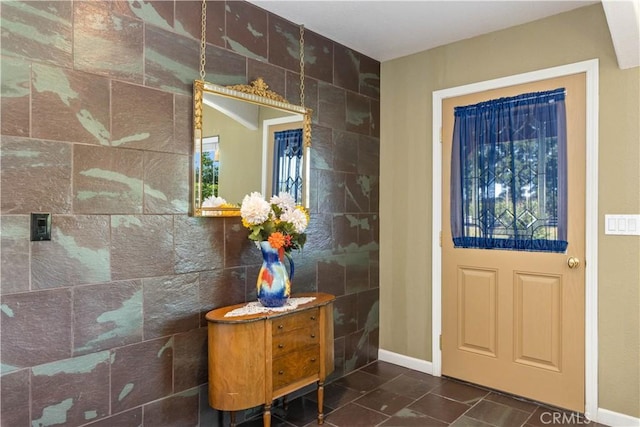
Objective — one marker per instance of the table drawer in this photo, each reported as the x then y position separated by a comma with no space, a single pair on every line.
305,319
296,366
299,338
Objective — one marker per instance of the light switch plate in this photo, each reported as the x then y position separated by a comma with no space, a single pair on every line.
623,225
40,226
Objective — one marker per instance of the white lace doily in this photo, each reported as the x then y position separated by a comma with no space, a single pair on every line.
257,308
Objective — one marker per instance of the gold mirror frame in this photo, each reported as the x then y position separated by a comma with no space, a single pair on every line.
258,94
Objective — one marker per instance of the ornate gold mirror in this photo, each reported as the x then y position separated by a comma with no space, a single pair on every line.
247,138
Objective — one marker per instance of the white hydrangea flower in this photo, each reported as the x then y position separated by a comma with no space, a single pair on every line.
284,201
297,218
213,202
255,209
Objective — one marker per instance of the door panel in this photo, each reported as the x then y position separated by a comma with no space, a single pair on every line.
538,320
477,310
511,320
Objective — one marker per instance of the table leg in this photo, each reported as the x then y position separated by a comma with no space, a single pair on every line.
232,416
320,402
266,416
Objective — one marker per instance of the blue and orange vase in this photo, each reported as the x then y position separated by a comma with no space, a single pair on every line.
274,282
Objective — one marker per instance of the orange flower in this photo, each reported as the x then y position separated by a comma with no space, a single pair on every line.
276,240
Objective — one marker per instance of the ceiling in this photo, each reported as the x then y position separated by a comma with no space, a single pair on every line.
385,29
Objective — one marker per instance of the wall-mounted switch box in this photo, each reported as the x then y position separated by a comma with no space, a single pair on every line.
40,226
625,225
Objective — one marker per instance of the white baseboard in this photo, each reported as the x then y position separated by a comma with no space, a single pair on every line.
405,361
616,419
604,416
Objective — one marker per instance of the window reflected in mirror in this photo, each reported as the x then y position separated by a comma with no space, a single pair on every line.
210,164
288,153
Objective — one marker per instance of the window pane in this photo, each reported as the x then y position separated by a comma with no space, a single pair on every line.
509,174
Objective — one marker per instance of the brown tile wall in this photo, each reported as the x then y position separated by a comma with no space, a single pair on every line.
103,325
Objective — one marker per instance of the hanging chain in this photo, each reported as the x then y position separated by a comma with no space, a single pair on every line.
203,40
307,116
302,65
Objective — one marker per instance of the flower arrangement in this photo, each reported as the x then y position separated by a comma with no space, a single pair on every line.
279,221
216,202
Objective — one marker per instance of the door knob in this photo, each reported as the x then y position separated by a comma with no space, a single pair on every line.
573,262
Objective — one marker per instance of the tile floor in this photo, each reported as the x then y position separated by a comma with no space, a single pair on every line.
383,394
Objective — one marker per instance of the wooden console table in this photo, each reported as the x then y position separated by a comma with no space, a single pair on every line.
254,359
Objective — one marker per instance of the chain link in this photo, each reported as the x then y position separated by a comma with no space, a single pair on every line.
302,65
203,41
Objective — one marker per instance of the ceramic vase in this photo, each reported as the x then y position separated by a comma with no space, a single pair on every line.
274,282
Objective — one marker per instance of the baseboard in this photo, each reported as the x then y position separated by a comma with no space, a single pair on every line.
405,361
617,419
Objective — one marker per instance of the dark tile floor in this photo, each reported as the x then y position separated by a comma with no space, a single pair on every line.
383,394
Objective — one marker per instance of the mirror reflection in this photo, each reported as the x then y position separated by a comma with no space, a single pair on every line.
247,140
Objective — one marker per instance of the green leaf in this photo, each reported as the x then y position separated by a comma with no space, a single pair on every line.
255,233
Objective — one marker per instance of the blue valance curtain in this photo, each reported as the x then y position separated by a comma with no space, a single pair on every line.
508,173
287,164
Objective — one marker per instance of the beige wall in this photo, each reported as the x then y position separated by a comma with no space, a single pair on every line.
240,155
407,85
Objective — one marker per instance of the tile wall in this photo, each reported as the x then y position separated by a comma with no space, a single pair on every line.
103,325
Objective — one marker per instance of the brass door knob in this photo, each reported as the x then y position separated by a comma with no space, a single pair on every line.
573,262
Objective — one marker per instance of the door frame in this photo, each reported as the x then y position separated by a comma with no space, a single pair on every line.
590,68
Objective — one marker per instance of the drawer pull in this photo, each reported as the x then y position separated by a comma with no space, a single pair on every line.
313,359
313,335
280,326
313,317
280,345
280,372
